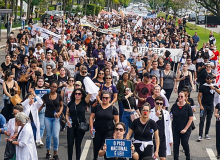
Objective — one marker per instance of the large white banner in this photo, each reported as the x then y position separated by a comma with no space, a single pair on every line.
114,30
45,33
176,54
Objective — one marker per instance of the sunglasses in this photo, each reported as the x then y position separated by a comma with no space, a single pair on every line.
101,73
108,78
84,72
209,78
119,129
180,96
48,68
71,80
60,62
157,103
105,98
79,94
138,56
14,55
80,59
145,110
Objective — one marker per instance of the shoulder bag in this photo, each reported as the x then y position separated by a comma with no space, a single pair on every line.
134,115
62,117
84,126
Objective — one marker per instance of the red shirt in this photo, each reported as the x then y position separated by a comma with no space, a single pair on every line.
106,26
216,53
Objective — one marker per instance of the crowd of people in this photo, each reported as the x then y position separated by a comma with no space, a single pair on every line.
134,89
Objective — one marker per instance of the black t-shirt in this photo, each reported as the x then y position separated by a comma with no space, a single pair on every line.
49,78
181,116
5,68
16,69
19,36
62,80
96,81
160,125
51,106
104,117
132,102
81,108
202,76
138,128
80,78
207,96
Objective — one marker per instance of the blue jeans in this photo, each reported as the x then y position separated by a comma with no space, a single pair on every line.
121,110
22,24
34,130
41,115
126,119
52,126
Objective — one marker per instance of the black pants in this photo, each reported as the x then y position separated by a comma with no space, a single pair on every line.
218,137
8,110
100,135
74,135
184,138
168,93
207,112
148,151
23,86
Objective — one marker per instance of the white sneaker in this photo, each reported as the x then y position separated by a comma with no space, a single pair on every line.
40,143
200,138
207,137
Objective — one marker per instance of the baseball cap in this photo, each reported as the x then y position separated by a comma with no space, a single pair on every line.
78,83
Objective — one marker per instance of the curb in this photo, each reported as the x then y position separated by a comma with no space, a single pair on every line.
13,29
2,46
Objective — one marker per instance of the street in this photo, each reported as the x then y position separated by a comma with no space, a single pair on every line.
204,150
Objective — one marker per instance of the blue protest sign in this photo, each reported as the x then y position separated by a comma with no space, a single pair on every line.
118,148
41,92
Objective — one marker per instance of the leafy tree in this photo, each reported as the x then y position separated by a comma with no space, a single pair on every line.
212,5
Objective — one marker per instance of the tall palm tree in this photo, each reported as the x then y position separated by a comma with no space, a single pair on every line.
16,11
21,8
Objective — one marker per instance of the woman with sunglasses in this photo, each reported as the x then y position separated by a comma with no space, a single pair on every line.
54,107
49,75
100,79
76,111
31,70
92,68
31,110
184,78
23,71
182,115
109,87
140,65
16,65
104,114
82,74
66,94
119,133
144,130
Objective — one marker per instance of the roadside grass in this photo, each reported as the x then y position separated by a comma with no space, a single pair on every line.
203,35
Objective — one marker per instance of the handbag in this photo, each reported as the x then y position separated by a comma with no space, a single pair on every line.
9,150
62,116
134,115
23,78
15,99
82,125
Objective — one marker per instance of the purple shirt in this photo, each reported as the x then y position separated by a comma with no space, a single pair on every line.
95,52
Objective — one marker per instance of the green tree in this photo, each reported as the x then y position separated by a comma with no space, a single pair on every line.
212,5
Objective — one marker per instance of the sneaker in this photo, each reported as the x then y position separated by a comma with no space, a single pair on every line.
48,156
40,143
207,137
200,138
56,157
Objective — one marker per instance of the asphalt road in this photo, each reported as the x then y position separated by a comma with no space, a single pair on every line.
208,29
204,150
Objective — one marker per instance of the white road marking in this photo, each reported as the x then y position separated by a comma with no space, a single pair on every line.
211,154
194,117
85,150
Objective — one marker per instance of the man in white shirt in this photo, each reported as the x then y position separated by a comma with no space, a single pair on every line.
39,39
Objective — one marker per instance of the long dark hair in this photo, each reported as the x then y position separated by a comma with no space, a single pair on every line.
7,74
78,89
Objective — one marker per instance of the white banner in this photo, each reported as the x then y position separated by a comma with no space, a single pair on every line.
217,73
176,54
45,33
114,30
139,23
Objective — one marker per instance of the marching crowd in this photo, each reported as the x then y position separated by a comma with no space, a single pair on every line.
132,89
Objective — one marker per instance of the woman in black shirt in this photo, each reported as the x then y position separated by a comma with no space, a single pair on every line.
62,79
144,129
100,79
7,65
104,115
118,134
129,104
54,108
217,115
49,75
76,111
181,125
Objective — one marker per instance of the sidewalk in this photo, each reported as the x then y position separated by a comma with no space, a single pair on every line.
217,30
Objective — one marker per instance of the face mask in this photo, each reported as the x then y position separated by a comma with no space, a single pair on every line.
80,49
184,55
199,54
11,35
100,56
214,48
135,50
91,41
112,47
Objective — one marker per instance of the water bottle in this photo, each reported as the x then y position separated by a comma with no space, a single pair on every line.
93,133
55,114
201,113
5,127
70,121
171,115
